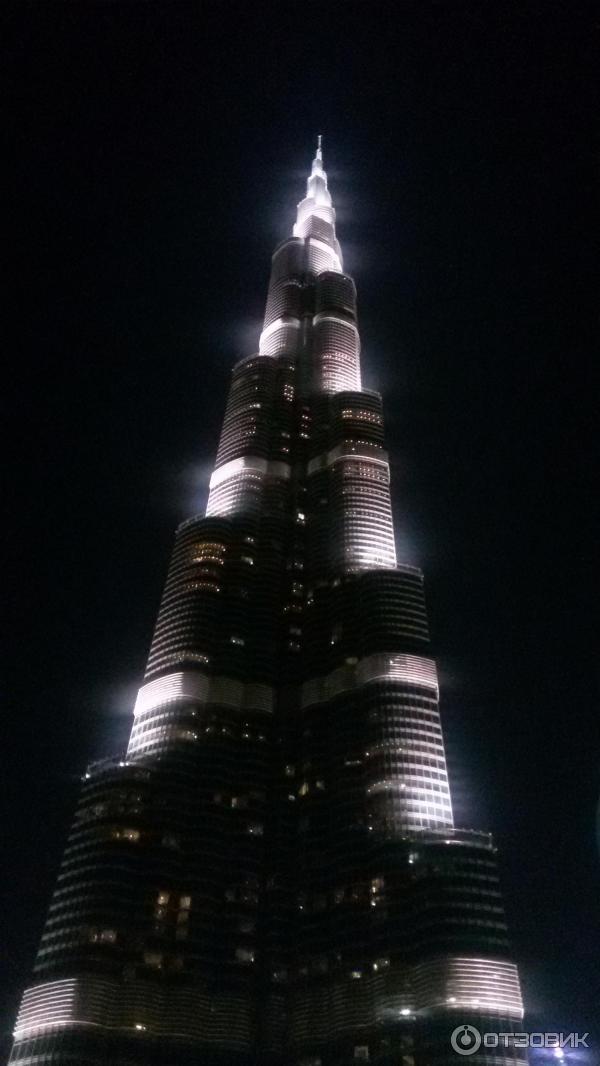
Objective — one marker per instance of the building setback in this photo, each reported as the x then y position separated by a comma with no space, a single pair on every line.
271,873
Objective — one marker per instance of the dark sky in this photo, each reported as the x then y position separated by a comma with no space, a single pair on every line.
155,155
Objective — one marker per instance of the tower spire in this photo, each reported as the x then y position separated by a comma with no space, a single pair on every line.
316,216
317,163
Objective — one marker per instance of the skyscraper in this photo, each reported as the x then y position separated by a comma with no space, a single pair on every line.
271,873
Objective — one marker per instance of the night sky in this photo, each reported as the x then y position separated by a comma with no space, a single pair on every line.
155,155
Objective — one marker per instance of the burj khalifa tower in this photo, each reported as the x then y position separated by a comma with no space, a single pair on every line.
270,874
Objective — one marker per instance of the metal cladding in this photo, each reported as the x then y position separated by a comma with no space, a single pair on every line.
271,873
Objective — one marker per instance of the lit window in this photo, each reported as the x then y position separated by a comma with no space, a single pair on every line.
244,955
381,964
163,898
153,959
126,834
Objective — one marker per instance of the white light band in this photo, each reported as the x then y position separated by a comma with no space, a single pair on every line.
194,686
409,669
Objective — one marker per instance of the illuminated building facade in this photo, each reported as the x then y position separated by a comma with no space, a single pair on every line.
271,873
